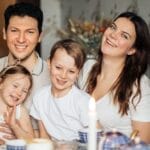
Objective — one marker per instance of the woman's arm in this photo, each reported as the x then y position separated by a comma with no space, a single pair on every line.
144,130
141,115
43,132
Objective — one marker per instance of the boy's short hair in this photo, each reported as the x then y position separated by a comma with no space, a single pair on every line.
73,48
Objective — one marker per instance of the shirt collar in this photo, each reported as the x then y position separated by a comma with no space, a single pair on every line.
38,68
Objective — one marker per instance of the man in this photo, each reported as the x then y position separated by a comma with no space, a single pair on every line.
22,32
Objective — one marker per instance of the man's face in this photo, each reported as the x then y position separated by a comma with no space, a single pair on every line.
22,36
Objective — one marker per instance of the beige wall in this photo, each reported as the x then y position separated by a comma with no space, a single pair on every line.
3,5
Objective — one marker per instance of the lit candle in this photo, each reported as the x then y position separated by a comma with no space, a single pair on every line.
92,141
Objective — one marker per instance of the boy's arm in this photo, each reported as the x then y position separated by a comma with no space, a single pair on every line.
42,130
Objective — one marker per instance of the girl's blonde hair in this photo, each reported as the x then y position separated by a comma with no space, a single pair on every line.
15,69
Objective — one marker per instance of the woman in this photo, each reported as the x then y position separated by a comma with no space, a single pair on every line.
117,80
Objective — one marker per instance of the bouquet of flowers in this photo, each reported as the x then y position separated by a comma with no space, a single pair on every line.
87,33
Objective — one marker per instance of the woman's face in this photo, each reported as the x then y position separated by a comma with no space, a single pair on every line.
119,38
14,89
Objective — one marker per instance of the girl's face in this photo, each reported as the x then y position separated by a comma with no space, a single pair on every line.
14,89
119,38
63,71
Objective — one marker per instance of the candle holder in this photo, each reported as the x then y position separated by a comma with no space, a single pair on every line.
113,141
135,144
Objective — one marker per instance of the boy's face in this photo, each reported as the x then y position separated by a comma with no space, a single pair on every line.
22,36
63,72
14,89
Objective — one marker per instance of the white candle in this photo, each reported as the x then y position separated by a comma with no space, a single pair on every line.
92,141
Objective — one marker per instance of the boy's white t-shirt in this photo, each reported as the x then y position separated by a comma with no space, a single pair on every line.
62,117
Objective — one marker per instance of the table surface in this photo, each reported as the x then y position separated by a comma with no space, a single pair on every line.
79,147
2,147
61,147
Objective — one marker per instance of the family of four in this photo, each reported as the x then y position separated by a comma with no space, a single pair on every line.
50,99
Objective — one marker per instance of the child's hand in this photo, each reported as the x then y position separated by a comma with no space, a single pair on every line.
10,117
6,131
1,142
11,123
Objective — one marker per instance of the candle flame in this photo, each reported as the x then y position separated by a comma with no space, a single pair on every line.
92,105
114,130
137,140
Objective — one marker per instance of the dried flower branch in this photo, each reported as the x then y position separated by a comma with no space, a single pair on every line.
87,33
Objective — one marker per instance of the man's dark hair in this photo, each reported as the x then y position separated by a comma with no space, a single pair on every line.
24,9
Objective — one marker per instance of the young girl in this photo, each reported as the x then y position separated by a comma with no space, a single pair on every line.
61,108
15,84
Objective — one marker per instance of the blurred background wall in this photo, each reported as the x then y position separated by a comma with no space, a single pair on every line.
57,13
3,5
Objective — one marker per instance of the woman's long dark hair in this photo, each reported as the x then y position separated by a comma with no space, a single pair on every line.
135,66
